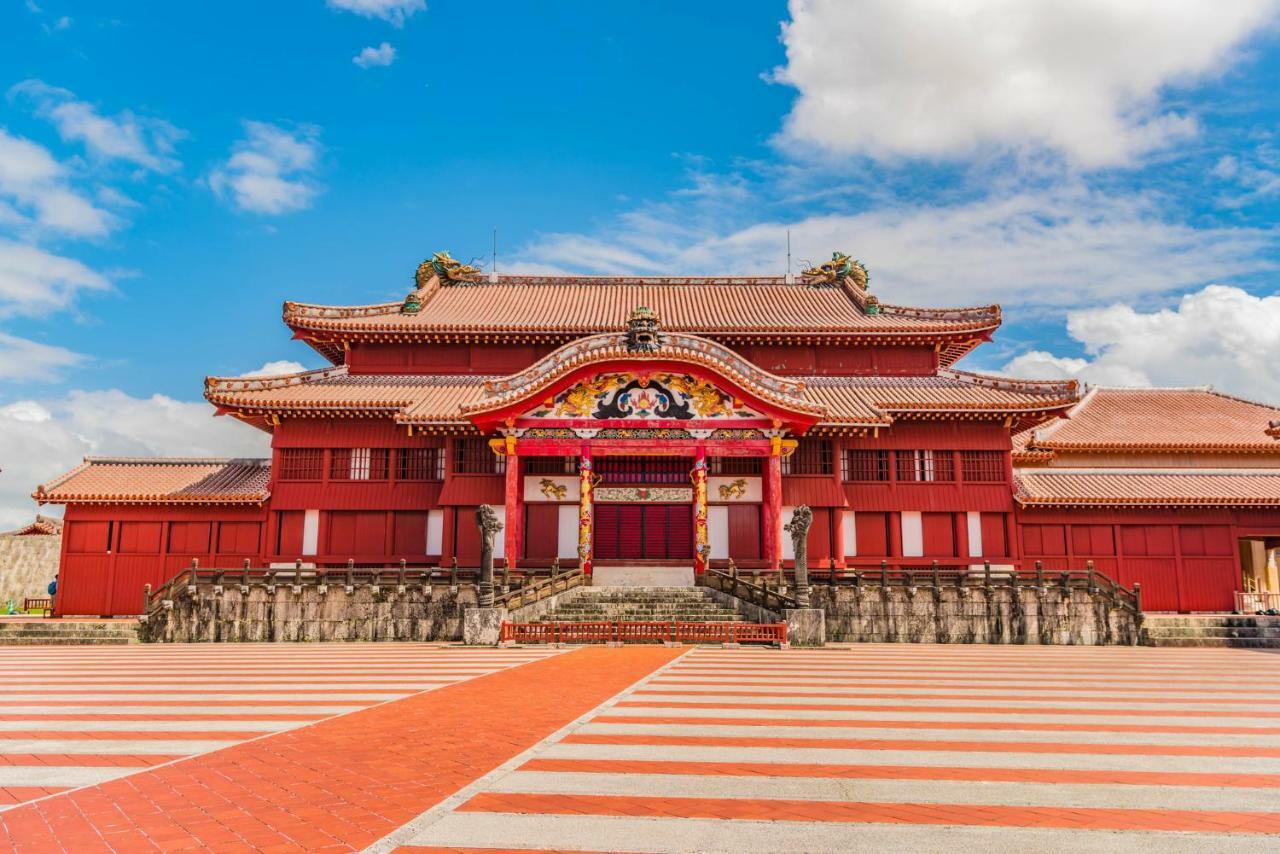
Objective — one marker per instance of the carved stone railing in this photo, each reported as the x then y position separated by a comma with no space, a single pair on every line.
535,590
758,590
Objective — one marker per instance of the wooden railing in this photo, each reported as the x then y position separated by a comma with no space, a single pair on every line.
536,589
626,631
768,591
1257,602
934,576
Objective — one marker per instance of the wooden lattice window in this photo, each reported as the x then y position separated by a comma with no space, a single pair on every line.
301,464
359,463
419,464
865,466
734,465
551,465
474,456
926,466
811,456
983,466
640,470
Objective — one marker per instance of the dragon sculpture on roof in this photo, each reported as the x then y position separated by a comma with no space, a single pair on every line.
841,266
445,268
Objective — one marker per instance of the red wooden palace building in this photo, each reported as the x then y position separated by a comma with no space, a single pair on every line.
677,421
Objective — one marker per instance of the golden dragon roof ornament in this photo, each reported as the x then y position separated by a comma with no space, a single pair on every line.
445,268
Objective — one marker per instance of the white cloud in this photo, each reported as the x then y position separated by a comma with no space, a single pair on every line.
383,54
22,360
270,170
276,368
39,196
919,78
1062,248
395,12
143,141
1220,336
34,282
41,439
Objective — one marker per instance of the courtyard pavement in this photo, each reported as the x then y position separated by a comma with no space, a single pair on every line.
645,749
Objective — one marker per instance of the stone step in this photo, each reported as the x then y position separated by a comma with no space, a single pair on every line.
1235,643
1212,632
1211,621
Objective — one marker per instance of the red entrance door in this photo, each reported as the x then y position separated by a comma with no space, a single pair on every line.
643,532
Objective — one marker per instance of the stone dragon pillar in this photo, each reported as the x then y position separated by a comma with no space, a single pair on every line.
487,522
798,528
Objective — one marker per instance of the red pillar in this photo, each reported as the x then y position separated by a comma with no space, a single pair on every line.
772,487
701,541
513,536
586,483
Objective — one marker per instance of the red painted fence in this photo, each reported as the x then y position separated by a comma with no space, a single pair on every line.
621,631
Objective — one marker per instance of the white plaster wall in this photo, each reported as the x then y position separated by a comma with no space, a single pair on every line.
788,553
850,534
975,533
500,541
435,532
912,534
567,535
718,531
310,532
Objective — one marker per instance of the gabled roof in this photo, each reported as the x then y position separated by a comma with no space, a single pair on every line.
441,399
557,308
43,526
159,480
1156,420
1095,487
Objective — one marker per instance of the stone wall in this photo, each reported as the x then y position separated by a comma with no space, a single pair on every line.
27,565
999,614
310,612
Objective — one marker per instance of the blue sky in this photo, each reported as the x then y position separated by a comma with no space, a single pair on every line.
170,173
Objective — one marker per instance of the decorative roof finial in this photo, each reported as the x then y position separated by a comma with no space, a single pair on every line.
833,271
448,269
642,331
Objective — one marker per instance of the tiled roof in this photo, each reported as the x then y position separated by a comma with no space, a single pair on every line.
869,401
43,526
1065,487
580,305
159,480
1158,420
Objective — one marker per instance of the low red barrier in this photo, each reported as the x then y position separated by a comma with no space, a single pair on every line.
626,631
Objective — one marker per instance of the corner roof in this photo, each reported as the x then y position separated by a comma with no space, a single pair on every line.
1157,420
1069,487
159,480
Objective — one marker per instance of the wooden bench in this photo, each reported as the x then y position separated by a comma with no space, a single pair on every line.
45,605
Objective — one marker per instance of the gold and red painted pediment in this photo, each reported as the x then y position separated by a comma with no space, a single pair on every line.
644,397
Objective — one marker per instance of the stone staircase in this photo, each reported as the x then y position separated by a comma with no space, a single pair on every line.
642,604
23,632
1212,630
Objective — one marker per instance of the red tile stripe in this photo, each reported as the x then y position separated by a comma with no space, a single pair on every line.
903,772
345,781
754,809
961,746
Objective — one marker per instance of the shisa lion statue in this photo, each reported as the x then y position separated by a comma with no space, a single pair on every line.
487,522
798,528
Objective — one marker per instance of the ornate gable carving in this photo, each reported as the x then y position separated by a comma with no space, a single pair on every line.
677,397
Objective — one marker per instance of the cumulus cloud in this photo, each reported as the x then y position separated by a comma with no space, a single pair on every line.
41,439
34,281
383,54
270,171
277,368
22,360
36,195
1060,248
140,140
1220,336
918,78
395,12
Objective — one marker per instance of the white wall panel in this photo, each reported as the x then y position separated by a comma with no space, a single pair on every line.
912,534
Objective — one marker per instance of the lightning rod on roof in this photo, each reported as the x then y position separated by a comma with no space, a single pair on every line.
790,279
493,270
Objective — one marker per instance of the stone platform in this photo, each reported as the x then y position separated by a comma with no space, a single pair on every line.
642,576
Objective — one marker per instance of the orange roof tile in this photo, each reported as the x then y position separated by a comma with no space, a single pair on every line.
440,399
1158,420
551,306
159,480
1064,487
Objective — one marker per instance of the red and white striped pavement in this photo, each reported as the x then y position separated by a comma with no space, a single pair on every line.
74,716
900,747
